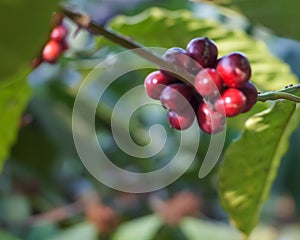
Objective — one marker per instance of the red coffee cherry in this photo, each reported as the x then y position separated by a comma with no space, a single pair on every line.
52,51
154,83
209,120
181,121
231,103
204,51
59,33
235,69
208,82
179,58
176,97
250,92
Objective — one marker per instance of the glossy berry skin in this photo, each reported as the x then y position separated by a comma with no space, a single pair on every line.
52,51
204,51
231,103
181,121
176,97
154,83
209,120
208,83
179,58
59,33
250,92
235,69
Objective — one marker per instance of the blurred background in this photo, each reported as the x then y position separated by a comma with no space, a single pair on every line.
47,193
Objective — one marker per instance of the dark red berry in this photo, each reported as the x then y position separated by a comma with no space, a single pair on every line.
52,51
154,83
176,97
250,92
204,51
209,120
180,60
208,82
59,33
181,121
231,103
235,69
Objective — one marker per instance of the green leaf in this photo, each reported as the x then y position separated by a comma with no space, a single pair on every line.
13,100
162,28
144,228
24,29
251,163
274,14
195,229
7,236
86,231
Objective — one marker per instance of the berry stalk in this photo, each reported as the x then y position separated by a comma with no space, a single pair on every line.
286,93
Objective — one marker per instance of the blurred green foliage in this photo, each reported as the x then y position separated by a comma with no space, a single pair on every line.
43,177
277,15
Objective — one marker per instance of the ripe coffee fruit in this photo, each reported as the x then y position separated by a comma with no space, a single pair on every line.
208,82
176,97
59,33
154,83
179,58
231,103
181,121
204,51
250,92
209,120
52,51
235,69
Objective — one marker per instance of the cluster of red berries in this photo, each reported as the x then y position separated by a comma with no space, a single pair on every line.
221,87
57,43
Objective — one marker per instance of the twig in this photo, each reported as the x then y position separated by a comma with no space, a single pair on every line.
84,21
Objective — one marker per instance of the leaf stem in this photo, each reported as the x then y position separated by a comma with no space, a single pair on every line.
84,21
286,93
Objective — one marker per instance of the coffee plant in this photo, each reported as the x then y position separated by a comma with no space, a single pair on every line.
216,80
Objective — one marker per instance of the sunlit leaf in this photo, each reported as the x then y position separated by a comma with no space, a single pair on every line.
195,229
251,163
86,231
144,228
